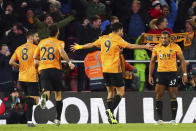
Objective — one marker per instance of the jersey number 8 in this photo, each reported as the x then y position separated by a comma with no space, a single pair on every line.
50,51
24,54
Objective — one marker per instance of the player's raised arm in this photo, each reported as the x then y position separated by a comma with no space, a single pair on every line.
80,47
135,46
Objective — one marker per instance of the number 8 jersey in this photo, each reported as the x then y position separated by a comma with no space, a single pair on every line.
24,54
48,52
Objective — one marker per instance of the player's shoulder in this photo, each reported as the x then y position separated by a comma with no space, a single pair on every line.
157,46
43,40
174,45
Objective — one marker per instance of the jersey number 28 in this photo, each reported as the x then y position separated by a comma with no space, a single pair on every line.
50,53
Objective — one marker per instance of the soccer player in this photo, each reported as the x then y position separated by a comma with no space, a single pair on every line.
27,72
166,53
47,58
110,56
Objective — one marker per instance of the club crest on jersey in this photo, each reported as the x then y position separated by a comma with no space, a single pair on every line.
170,51
160,56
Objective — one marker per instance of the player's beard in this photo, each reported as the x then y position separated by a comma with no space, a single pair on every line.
36,42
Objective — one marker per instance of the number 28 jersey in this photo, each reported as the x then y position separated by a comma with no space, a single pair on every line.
24,54
110,52
48,51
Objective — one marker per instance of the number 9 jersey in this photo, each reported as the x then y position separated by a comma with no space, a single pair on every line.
48,52
24,54
110,52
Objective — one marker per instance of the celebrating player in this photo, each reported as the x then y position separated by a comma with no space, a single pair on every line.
110,55
48,60
166,53
27,72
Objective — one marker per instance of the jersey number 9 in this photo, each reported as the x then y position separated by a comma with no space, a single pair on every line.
50,53
107,45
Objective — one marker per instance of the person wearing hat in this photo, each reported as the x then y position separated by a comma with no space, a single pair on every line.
155,12
12,108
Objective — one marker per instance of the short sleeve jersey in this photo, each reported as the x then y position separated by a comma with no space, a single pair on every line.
24,54
48,52
167,57
110,52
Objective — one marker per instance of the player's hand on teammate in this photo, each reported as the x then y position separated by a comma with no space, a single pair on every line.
149,46
151,80
75,47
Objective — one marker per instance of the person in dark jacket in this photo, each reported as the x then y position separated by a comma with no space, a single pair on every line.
5,70
12,108
15,37
89,33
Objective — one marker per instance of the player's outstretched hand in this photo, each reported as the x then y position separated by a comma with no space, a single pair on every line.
75,47
151,80
149,46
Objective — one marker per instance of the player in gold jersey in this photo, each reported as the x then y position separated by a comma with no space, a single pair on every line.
47,58
27,72
110,56
166,53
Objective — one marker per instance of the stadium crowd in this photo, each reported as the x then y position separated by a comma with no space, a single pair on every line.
84,21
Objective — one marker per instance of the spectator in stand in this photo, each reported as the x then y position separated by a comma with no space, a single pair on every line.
137,21
190,47
94,7
15,37
54,11
26,18
155,12
12,109
108,29
159,25
66,6
42,27
5,69
7,19
170,13
191,9
2,6
89,33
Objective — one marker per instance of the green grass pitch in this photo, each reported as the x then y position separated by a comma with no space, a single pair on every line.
100,127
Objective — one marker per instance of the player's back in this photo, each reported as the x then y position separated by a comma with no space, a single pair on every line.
49,53
24,54
110,52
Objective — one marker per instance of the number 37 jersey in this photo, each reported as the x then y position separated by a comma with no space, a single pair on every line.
110,52
24,54
48,52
